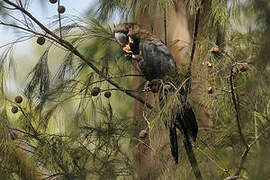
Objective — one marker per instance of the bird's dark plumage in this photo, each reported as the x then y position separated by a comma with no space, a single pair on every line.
156,59
173,141
156,62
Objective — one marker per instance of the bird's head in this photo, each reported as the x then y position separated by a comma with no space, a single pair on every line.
122,32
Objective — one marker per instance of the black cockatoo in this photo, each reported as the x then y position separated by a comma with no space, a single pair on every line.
156,63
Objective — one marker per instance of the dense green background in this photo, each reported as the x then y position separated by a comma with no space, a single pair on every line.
70,134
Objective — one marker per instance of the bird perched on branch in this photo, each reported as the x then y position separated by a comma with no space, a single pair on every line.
157,63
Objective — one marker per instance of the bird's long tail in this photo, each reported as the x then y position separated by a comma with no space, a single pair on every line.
174,142
189,122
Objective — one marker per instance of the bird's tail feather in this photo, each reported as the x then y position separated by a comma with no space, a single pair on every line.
174,142
190,122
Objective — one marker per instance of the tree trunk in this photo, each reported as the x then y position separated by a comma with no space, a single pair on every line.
179,30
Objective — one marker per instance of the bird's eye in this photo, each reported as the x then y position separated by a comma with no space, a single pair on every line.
121,38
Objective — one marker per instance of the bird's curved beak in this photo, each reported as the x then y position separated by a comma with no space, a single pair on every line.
127,48
123,40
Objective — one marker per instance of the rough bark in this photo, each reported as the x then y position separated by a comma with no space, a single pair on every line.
199,80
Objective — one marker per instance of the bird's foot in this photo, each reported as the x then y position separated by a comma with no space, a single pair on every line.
154,85
146,87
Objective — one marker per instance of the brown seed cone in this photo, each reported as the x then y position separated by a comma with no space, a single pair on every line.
14,109
53,1
61,9
18,99
95,91
41,40
107,94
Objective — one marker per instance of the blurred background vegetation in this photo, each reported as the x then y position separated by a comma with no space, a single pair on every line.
73,123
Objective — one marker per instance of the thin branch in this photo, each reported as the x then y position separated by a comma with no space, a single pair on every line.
244,155
18,20
60,24
53,176
147,120
211,159
27,30
24,17
148,146
19,40
73,49
243,159
247,146
236,108
236,177
256,127
165,26
8,8
130,90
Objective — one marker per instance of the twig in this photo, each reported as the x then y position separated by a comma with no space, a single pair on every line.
256,127
59,18
53,176
221,168
243,158
146,119
241,163
195,36
19,40
235,103
8,8
20,3
73,49
129,90
27,30
145,144
16,19
236,177
236,107
165,26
